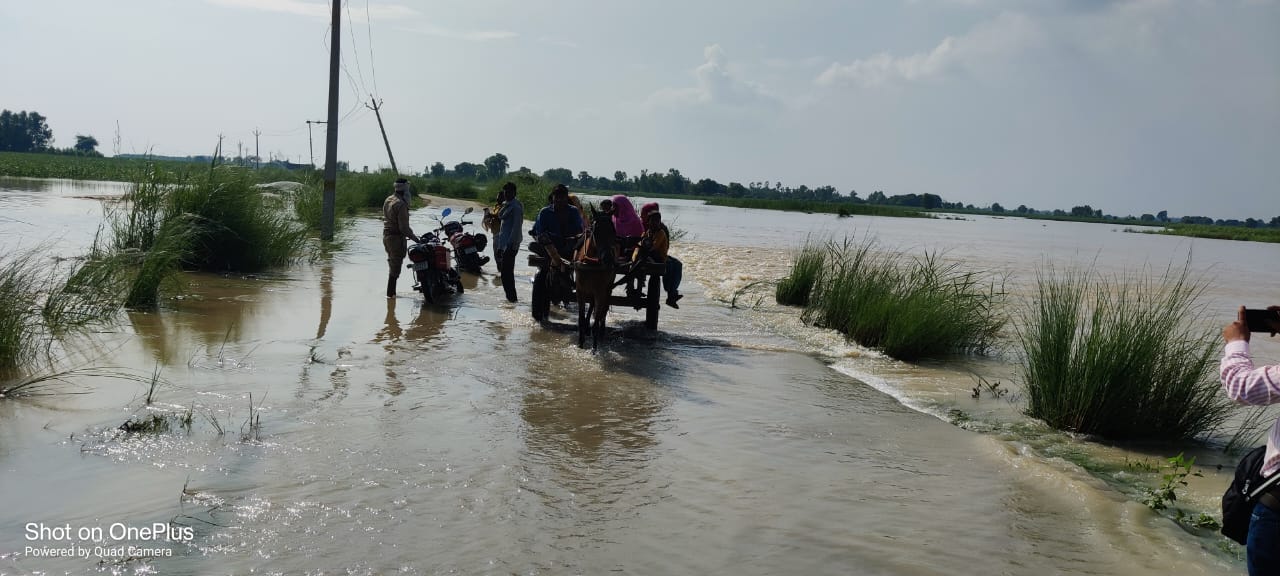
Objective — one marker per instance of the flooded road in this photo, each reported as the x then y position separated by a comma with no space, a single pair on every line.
395,437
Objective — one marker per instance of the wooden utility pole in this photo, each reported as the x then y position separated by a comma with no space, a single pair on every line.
257,160
375,106
311,146
331,142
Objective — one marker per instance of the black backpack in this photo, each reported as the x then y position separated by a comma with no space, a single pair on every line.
1243,493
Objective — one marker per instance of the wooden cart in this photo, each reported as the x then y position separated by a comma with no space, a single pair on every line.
551,284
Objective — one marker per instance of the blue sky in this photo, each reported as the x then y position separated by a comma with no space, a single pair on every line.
1130,106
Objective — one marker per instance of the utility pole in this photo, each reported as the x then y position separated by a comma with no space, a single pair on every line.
257,160
311,146
331,145
375,106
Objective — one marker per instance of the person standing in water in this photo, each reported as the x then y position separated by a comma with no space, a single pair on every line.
507,242
396,232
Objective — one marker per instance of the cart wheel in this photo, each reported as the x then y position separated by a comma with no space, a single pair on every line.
654,302
541,300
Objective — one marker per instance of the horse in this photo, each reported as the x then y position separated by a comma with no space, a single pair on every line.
595,262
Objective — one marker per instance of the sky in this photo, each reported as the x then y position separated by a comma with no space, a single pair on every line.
1130,106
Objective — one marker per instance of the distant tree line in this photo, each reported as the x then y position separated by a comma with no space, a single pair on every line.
29,132
673,183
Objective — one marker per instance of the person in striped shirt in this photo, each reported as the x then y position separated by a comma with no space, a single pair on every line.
1245,383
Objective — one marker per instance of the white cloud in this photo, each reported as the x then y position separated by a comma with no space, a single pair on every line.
716,84
318,9
996,38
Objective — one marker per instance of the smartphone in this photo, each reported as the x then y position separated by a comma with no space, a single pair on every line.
1262,320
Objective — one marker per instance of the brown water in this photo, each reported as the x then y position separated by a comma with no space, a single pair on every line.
401,438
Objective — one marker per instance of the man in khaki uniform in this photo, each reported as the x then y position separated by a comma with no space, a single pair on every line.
396,232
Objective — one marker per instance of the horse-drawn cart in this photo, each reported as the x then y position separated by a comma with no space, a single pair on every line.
556,284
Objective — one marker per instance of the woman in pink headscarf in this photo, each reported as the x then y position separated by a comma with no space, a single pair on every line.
625,220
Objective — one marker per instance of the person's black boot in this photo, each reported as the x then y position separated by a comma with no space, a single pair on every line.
391,286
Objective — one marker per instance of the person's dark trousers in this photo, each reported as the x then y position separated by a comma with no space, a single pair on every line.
1263,545
507,269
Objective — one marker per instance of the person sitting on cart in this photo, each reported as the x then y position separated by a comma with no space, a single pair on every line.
557,226
626,223
653,247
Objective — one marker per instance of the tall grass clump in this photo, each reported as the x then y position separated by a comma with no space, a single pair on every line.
214,220
806,273
36,306
20,286
235,225
1123,357
908,307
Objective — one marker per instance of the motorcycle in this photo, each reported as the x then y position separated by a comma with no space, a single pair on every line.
429,258
468,248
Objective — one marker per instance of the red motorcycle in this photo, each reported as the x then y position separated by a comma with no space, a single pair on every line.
432,271
468,248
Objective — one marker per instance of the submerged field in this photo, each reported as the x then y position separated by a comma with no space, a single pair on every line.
299,418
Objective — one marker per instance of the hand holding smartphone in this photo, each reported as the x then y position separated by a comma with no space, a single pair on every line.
1267,320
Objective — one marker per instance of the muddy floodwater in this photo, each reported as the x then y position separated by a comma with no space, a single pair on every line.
389,436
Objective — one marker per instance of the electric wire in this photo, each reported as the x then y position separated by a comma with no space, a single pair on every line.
351,30
373,68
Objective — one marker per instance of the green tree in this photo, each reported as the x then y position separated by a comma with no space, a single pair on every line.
559,175
466,170
997,208
24,132
437,170
496,166
86,144
619,176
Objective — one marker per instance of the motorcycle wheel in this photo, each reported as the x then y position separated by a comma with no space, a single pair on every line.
424,284
541,301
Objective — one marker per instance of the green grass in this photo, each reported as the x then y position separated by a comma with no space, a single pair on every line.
1220,232
1122,358
840,208
21,283
215,220
806,273
531,189
910,307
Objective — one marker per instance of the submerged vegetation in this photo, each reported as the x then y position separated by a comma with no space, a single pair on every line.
1122,358
806,273
910,307
217,220
1219,232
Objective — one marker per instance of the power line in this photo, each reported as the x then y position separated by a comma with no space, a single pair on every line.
354,52
373,68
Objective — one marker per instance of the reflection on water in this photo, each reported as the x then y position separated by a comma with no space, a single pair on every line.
326,294
214,313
